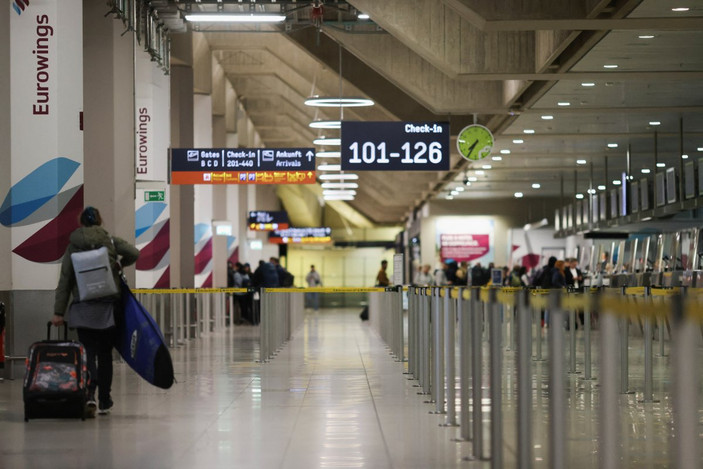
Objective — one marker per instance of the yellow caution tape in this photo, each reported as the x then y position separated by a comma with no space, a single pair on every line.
167,291
329,290
635,290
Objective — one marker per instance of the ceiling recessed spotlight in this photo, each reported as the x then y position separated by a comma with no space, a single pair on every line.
645,170
505,152
518,195
581,161
480,172
588,84
518,141
661,165
473,179
601,187
579,196
617,182
362,16
547,117
563,103
610,66
612,145
591,191
486,166
646,36
454,193
680,9
655,123
467,183
684,157
528,131
459,189
497,158
536,185
699,149
449,197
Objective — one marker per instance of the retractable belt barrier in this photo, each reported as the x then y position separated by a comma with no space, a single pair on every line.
446,323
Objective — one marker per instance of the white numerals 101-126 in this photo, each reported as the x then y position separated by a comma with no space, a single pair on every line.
368,152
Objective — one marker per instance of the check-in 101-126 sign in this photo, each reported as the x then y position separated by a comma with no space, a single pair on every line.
395,146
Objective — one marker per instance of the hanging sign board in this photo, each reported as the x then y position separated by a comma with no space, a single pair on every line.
395,146
261,220
242,165
314,235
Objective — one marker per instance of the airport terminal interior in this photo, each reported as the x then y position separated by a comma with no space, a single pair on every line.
372,234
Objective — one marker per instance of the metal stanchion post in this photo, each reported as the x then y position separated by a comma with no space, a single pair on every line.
476,372
661,325
624,355
426,344
557,394
648,358
411,332
609,441
496,377
438,350
450,355
539,333
587,344
464,367
572,342
401,331
524,382
686,383
188,316
263,325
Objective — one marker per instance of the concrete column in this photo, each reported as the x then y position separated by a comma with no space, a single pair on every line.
109,121
219,209
182,197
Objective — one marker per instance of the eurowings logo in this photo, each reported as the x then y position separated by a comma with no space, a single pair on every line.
20,5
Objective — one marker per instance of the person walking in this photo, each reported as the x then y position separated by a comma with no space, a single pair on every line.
313,280
382,278
94,320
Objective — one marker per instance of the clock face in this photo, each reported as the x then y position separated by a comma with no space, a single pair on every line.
475,142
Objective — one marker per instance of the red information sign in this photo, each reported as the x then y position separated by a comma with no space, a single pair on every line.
243,177
464,247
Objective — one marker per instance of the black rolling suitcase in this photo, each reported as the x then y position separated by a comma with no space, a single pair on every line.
56,379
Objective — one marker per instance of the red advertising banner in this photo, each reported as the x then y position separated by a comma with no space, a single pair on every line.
243,177
464,247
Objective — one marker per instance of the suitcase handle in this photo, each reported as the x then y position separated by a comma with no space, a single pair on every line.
48,331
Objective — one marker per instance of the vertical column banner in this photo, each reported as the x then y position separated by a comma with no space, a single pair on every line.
203,237
40,207
152,231
152,124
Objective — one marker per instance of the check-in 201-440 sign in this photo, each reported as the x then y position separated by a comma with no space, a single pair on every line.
395,146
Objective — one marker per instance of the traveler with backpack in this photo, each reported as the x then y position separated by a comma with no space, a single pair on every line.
93,319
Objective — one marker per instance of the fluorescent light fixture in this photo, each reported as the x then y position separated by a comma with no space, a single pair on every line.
684,157
339,192
328,154
339,185
655,123
486,166
563,103
646,36
534,226
480,172
601,187
547,117
338,197
679,9
646,170
581,161
588,84
610,66
473,179
518,195
329,167
661,165
518,141
325,124
459,189
536,185
338,102
497,158
591,191
699,149
528,131
335,142
362,16
505,152
338,177
579,196
617,182
612,145
234,18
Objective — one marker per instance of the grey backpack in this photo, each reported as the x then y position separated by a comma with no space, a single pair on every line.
93,274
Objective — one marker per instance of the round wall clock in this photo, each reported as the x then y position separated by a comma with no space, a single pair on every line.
474,142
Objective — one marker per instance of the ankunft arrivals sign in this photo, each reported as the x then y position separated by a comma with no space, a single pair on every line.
242,166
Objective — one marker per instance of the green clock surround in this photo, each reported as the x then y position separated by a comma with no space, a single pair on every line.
474,142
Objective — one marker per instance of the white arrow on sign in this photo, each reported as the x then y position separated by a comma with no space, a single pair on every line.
310,155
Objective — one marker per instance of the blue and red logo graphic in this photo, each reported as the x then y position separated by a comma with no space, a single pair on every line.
20,5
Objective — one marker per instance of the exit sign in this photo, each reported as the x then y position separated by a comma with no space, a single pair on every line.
154,196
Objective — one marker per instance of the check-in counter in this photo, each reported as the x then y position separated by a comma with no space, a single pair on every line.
673,278
647,279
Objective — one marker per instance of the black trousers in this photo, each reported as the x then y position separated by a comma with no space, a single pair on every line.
98,346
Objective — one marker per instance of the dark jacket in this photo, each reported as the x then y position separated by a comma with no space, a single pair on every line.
266,276
85,239
558,279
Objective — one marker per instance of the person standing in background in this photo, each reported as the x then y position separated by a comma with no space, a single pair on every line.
424,277
382,278
313,280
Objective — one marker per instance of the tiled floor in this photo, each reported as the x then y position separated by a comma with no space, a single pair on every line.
333,398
